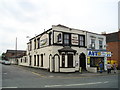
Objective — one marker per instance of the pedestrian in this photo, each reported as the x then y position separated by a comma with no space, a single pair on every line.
101,67
114,68
109,67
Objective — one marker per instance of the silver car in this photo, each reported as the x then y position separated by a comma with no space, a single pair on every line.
7,63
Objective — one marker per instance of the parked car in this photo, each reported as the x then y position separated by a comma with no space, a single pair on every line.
7,63
0,61
3,61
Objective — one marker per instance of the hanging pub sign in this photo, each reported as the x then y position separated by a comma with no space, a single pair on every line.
74,39
99,53
43,42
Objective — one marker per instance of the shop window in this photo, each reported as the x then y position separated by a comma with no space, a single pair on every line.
63,60
94,61
81,40
100,44
66,39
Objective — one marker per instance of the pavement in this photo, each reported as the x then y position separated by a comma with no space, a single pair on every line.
47,74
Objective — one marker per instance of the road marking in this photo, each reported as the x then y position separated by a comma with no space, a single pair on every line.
37,74
4,73
9,87
76,84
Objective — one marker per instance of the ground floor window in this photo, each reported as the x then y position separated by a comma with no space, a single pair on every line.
41,60
30,60
37,60
94,61
63,60
70,60
34,60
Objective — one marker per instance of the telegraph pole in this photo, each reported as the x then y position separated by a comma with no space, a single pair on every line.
16,51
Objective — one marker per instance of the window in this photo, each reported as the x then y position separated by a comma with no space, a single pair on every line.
70,60
37,60
63,60
41,60
66,39
81,40
21,60
94,61
38,42
59,37
100,44
25,59
35,44
34,60
50,38
92,43
30,45
30,60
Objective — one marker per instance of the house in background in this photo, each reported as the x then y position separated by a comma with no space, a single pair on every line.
64,49
13,55
96,51
113,45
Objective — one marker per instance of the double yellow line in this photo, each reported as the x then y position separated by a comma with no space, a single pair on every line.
38,74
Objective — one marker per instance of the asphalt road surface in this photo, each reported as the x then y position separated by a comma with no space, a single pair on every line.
17,77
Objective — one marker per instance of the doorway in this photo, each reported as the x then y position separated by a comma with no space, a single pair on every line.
82,61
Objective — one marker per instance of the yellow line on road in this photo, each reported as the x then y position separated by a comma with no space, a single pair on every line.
37,74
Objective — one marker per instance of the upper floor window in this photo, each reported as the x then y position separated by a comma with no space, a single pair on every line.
66,39
35,44
82,40
50,38
38,43
100,44
30,46
59,37
92,43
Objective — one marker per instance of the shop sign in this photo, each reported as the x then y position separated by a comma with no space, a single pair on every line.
99,53
43,42
74,39
88,60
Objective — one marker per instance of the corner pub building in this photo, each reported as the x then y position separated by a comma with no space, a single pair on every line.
60,49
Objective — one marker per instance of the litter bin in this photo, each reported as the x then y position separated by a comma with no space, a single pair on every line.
80,69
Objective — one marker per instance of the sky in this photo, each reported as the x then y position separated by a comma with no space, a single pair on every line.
22,18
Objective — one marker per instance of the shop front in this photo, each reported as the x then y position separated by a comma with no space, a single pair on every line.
95,57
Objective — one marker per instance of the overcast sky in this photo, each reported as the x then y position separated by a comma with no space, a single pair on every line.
21,18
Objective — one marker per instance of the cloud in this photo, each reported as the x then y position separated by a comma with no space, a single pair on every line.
21,18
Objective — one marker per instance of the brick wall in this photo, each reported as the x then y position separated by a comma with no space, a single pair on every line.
113,42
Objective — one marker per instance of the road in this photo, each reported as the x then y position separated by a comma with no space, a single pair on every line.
18,77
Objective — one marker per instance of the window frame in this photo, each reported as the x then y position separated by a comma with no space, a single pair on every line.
81,40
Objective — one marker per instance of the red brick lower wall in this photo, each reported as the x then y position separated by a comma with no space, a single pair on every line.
114,47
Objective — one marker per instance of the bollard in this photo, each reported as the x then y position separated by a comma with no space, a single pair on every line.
80,69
